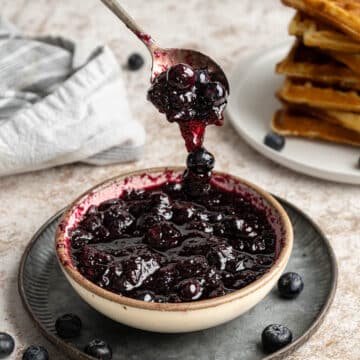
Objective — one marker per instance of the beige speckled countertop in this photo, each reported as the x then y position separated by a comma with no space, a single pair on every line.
227,30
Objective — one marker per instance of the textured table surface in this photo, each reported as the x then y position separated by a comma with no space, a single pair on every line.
227,30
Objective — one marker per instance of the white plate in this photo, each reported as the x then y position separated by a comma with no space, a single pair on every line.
251,106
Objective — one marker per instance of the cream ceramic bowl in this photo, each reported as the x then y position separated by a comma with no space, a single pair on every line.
168,317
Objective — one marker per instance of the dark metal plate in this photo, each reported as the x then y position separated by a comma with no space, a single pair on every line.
46,294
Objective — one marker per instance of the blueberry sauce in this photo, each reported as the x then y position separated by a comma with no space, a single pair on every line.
190,97
183,241
164,245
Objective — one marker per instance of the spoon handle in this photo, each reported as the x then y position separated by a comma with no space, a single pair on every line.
120,12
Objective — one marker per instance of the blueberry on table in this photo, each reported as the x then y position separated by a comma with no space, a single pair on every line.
135,62
7,345
274,337
99,349
290,285
200,161
274,141
35,353
68,326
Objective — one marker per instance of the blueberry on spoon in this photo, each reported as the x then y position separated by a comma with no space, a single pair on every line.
7,345
274,337
181,76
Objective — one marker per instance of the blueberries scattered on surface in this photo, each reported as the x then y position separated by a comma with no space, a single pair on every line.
274,141
274,337
135,62
7,345
290,285
68,326
99,349
35,353
200,161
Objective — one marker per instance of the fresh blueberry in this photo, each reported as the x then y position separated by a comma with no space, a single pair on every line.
181,76
68,326
290,285
275,141
135,62
274,337
200,161
7,345
99,349
35,353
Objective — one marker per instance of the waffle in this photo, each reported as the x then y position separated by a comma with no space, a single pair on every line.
351,60
290,122
315,33
315,65
342,14
303,92
347,120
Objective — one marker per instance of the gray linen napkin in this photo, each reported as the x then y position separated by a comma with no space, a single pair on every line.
53,111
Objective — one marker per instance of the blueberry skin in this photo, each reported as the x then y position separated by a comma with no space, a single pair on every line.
290,285
275,337
35,353
7,345
135,62
200,161
99,349
274,141
68,326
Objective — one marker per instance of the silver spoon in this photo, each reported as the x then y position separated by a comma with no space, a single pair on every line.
162,59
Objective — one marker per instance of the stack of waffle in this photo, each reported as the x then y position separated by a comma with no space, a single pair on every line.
321,92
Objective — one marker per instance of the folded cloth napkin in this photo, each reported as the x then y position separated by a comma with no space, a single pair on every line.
53,111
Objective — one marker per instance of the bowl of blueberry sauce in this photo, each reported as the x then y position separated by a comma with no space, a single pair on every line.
144,251
176,249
